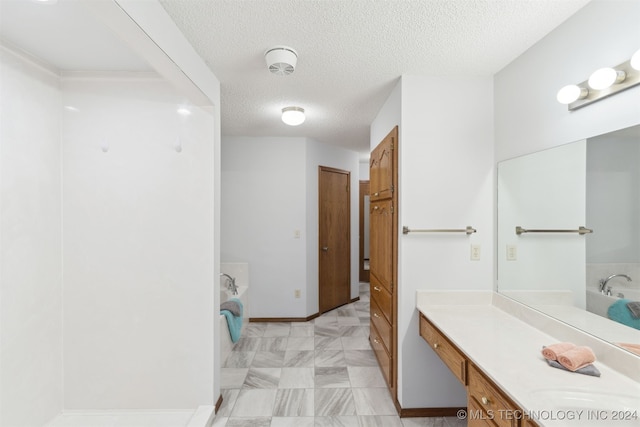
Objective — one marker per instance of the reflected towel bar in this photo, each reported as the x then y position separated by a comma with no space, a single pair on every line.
581,230
468,230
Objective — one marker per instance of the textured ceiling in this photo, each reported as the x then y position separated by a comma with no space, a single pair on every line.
351,53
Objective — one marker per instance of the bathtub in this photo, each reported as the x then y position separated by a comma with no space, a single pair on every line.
599,303
226,345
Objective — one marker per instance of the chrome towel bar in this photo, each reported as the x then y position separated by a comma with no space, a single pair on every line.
468,230
581,230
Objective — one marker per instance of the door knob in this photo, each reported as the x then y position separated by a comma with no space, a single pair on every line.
325,248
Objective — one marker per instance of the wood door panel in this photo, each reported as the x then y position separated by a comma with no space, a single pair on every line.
334,238
381,241
381,168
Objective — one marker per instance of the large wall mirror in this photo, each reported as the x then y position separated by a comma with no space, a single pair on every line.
553,262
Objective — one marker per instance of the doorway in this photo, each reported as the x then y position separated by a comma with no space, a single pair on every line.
364,232
334,217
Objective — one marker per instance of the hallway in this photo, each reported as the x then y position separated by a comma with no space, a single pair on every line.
320,373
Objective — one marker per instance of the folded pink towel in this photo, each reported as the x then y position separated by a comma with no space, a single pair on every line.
634,348
577,358
551,352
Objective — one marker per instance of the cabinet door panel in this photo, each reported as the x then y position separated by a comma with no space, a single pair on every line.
381,170
381,242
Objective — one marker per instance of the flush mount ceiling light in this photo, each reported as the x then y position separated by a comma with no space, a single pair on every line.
602,83
293,116
281,60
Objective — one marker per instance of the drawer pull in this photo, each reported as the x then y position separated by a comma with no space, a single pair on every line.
376,194
377,289
375,340
376,315
436,345
375,208
485,401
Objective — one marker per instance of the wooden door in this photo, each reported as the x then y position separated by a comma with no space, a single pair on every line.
334,238
364,231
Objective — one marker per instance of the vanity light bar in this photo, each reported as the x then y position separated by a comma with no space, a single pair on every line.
625,76
468,230
581,230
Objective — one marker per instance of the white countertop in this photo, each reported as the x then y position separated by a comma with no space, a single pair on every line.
508,351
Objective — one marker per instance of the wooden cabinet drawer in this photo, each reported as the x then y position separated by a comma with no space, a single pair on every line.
489,397
383,298
476,416
382,325
382,354
447,352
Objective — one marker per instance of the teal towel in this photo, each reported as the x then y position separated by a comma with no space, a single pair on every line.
619,312
234,322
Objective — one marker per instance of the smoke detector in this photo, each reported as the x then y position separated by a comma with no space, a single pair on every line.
281,60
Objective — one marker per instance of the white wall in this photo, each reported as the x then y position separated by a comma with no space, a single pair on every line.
446,181
270,190
527,116
138,247
30,244
262,205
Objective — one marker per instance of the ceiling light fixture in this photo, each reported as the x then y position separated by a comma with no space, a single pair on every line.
281,60
602,83
293,116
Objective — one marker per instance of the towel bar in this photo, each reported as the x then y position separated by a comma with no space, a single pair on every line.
468,230
581,230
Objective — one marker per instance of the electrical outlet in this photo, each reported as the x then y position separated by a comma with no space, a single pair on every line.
475,252
297,293
296,234
512,252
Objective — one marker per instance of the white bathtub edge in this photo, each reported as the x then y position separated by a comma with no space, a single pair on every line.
203,417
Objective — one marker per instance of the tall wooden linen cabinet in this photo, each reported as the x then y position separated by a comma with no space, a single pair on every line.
383,255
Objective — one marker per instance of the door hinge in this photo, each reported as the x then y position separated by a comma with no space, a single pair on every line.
392,144
392,188
391,285
392,209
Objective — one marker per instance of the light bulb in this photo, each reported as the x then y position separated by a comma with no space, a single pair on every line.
571,93
293,116
635,60
605,77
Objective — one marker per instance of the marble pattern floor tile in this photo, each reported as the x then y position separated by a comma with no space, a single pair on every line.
299,359
334,401
294,403
297,378
268,359
262,378
320,373
373,401
331,377
292,422
254,403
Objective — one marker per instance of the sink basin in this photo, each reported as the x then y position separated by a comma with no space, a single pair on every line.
568,407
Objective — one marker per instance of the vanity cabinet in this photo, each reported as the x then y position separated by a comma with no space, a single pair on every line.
449,354
383,256
487,404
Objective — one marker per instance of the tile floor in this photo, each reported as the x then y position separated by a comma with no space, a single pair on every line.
321,373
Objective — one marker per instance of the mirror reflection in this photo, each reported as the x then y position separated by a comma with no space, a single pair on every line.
590,280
